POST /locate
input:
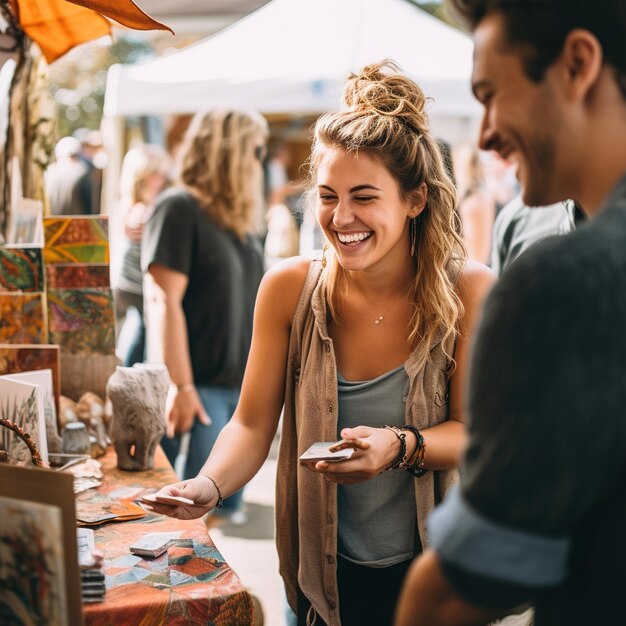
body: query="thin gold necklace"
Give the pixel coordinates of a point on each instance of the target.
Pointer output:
(381, 317)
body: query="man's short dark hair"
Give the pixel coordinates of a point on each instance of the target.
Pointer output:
(539, 28)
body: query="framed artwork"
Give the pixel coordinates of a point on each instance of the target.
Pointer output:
(27, 357)
(39, 574)
(22, 404)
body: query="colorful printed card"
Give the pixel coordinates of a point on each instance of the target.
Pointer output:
(76, 239)
(82, 320)
(22, 318)
(21, 268)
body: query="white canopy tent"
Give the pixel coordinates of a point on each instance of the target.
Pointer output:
(292, 56)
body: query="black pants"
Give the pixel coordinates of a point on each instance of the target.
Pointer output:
(367, 595)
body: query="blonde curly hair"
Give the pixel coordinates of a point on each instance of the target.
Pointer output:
(384, 117)
(216, 162)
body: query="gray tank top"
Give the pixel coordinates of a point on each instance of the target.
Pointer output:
(377, 518)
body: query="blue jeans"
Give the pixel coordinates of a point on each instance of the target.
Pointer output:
(220, 404)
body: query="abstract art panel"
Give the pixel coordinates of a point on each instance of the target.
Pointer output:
(77, 276)
(21, 269)
(76, 239)
(82, 320)
(22, 318)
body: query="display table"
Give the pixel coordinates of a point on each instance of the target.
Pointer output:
(190, 584)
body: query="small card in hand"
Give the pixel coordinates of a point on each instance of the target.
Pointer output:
(173, 500)
(151, 545)
(320, 451)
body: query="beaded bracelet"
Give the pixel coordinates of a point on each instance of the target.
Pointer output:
(417, 467)
(220, 500)
(402, 456)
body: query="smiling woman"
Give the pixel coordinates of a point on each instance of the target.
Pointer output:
(368, 346)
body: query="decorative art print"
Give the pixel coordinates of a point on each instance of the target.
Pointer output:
(77, 276)
(32, 571)
(39, 575)
(22, 318)
(76, 239)
(21, 268)
(82, 320)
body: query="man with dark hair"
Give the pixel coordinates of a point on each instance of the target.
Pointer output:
(540, 514)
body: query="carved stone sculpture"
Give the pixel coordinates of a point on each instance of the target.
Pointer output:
(138, 396)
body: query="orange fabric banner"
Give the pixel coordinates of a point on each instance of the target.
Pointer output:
(126, 12)
(56, 26)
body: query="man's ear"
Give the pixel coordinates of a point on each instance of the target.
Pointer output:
(582, 58)
(417, 200)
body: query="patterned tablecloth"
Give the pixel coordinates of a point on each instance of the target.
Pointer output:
(190, 584)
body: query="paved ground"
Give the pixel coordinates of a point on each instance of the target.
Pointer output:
(250, 548)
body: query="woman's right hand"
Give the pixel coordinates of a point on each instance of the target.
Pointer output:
(199, 489)
(183, 407)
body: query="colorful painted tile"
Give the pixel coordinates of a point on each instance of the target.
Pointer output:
(22, 318)
(21, 269)
(29, 357)
(82, 320)
(76, 239)
(77, 276)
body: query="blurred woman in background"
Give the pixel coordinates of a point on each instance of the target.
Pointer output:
(201, 249)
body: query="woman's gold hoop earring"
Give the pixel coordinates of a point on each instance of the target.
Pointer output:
(413, 234)
(324, 249)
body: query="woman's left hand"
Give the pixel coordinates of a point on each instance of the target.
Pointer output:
(382, 449)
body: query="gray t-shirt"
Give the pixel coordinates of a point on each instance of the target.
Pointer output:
(377, 520)
(518, 227)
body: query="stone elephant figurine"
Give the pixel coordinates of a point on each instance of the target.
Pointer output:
(138, 395)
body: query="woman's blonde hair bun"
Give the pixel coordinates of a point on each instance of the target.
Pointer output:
(381, 89)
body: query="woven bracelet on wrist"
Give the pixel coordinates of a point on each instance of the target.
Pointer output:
(402, 456)
(220, 500)
(417, 467)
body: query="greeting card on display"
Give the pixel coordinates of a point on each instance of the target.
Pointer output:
(22, 404)
(22, 318)
(43, 380)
